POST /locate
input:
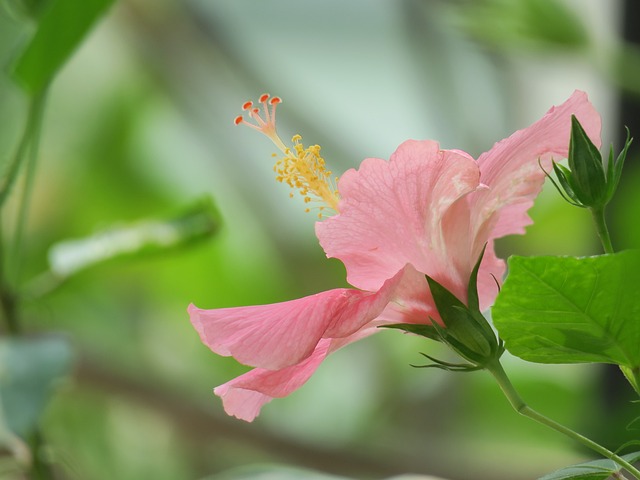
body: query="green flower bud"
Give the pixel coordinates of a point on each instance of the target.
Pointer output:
(465, 329)
(588, 182)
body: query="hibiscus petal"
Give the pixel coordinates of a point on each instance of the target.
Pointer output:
(511, 171)
(390, 212)
(490, 276)
(244, 396)
(279, 335)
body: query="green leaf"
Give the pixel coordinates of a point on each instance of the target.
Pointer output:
(197, 222)
(24, 8)
(29, 369)
(62, 27)
(572, 310)
(525, 24)
(595, 470)
(633, 376)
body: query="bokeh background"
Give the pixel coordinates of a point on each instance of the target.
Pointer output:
(139, 126)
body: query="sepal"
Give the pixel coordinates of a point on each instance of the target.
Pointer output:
(614, 169)
(588, 179)
(465, 329)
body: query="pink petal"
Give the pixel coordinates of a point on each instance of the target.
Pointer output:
(244, 396)
(283, 334)
(390, 212)
(413, 302)
(511, 171)
(492, 270)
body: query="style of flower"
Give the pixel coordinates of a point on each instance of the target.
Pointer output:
(425, 211)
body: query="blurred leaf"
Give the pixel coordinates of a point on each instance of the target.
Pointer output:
(272, 472)
(623, 68)
(29, 8)
(572, 310)
(29, 368)
(61, 29)
(11, 442)
(596, 470)
(276, 472)
(200, 221)
(415, 477)
(508, 24)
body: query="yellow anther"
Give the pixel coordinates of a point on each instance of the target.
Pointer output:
(302, 168)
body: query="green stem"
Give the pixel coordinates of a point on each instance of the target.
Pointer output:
(601, 228)
(28, 145)
(9, 310)
(25, 199)
(9, 298)
(523, 409)
(40, 468)
(34, 116)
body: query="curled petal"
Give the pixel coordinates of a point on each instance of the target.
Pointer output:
(280, 335)
(511, 171)
(244, 396)
(390, 212)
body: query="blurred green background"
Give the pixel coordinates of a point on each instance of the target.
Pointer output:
(138, 125)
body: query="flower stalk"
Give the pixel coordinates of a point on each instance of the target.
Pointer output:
(518, 404)
(26, 153)
(601, 229)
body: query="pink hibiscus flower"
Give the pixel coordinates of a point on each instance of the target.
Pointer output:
(424, 211)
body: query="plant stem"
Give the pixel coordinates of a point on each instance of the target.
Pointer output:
(34, 116)
(601, 228)
(28, 145)
(10, 264)
(495, 368)
(40, 468)
(8, 304)
(25, 199)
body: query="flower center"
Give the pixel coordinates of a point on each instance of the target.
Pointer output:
(300, 167)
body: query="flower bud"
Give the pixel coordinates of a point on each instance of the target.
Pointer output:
(465, 329)
(588, 182)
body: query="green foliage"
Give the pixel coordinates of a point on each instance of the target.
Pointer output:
(29, 369)
(29, 8)
(596, 470)
(507, 24)
(145, 237)
(61, 29)
(277, 472)
(572, 310)
(273, 472)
